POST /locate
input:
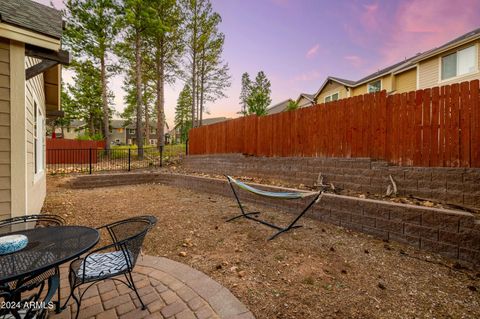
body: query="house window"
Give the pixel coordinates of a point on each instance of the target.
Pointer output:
(375, 86)
(459, 63)
(120, 130)
(132, 131)
(332, 97)
(38, 138)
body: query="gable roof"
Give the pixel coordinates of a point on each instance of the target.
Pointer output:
(469, 36)
(32, 16)
(309, 97)
(279, 107)
(407, 63)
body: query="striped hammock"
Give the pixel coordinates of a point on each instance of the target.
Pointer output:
(278, 195)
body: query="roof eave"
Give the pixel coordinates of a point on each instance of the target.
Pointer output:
(444, 49)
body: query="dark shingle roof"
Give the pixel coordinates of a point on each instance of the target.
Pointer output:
(344, 81)
(279, 107)
(32, 16)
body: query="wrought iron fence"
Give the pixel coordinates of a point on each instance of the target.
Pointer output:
(92, 160)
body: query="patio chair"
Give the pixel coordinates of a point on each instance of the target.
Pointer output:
(29, 222)
(276, 195)
(112, 260)
(34, 285)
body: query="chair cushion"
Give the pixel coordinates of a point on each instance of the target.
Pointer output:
(103, 264)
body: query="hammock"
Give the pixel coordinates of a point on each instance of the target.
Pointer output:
(277, 195)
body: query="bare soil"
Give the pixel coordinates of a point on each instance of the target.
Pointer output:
(317, 271)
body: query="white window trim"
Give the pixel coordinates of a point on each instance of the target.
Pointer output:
(381, 85)
(39, 175)
(454, 78)
(330, 96)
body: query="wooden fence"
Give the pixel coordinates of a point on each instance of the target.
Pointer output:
(432, 127)
(66, 151)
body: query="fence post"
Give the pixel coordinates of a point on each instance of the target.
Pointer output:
(90, 160)
(129, 156)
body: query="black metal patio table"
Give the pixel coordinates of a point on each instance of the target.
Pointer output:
(23, 273)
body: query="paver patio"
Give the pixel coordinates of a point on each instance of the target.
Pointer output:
(169, 290)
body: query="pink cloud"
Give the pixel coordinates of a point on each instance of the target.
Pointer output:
(369, 17)
(313, 51)
(307, 76)
(354, 60)
(417, 28)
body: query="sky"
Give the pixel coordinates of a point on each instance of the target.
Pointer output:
(298, 43)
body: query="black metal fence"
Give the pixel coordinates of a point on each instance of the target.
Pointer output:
(91, 160)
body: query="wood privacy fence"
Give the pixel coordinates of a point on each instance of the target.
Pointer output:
(66, 151)
(431, 127)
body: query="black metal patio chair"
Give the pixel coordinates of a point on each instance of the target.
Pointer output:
(31, 288)
(112, 260)
(29, 222)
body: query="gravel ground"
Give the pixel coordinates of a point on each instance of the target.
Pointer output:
(317, 271)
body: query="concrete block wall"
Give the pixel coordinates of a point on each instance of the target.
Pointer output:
(453, 185)
(454, 234)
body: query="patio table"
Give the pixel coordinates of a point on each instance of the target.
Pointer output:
(47, 248)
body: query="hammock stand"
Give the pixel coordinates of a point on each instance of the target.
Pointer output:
(280, 195)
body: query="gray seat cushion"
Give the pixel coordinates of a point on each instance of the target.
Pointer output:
(103, 264)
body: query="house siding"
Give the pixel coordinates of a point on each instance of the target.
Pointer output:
(406, 81)
(429, 70)
(36, 187)
(303, 102)
(5, 192)
(332, 88)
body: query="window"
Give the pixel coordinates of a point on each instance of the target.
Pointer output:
(38, 138)
(332, 97)
(132, 131)
(375, 86)
(459, 63)
(120, 130)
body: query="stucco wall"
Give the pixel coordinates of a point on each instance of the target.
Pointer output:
(5, 197)
(429, 70)
(332, 88)
(36, 185)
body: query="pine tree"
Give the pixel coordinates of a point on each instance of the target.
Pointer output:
(91, 33)
(183, 119)
(167, 45)
(245, 92)
(259, 98)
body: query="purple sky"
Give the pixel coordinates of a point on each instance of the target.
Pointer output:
(298, 43)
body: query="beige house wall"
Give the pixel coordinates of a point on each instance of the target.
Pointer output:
(304, 102)
(5, 194)
(406, 81)
(36, 184)
(429, 70)
(332, 88)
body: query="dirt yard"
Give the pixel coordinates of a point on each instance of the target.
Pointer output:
(318, 271)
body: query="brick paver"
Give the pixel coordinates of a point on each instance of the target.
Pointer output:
(168, 289)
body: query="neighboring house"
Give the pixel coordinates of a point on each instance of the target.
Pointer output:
(30, 71)
(123, 134)
(305, 100)
(279, 107)
(71, 131)
(454, 62)
(174, 135)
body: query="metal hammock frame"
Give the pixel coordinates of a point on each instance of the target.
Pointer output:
(277, 195)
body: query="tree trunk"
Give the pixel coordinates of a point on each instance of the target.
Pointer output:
(160, 94)
(106, 124)
(194, 64)
(202, 84)
(91, 127)
(147, 114)
(138, 84)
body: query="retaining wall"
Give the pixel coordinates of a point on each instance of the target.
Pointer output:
(453, 185)
(454, 234)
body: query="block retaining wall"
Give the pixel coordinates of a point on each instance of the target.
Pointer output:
(453, 185)
(454, 234)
